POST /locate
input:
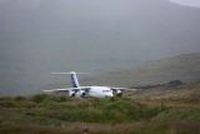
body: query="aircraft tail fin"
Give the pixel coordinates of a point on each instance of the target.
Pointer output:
(73, 75)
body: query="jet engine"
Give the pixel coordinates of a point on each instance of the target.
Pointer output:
(79, 92)
(83, 93)
(117, 92)
(72, 93)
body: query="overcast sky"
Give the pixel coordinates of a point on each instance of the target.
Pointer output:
(38, 36)
(192, 3)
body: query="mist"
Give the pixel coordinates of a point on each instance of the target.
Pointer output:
(42, 36)
(191, 3)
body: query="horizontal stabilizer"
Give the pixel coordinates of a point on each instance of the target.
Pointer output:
(66, 73)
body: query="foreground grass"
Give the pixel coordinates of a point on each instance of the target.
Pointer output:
(50, 114)
(78, 128)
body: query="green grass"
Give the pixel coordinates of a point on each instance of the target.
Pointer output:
(50, 114)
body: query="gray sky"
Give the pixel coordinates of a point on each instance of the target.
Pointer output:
(191, 3)
(40, 36)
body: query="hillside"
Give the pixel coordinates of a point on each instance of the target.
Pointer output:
(185, 67)
(185, 93)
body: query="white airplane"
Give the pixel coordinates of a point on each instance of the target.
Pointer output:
(87, 91)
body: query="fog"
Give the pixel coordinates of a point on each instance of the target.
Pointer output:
(41, 36)
(191, 3)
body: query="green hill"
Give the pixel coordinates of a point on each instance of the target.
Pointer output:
(186, 93)
(185, 67)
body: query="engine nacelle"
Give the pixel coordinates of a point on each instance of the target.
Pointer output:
(72, 94)
(117, 92)
(79, 93)
(82, 93)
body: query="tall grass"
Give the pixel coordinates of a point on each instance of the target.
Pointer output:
(51, 114)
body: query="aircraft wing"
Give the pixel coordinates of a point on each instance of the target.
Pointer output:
(56, 90)
(67, 89)
(119, 88)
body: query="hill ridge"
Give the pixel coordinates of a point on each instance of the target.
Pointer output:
(184, 67)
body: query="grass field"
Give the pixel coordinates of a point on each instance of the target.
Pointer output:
(45, 114)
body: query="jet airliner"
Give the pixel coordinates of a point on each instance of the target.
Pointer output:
(87, 91)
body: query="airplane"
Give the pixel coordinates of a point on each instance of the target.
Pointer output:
(87, 91)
